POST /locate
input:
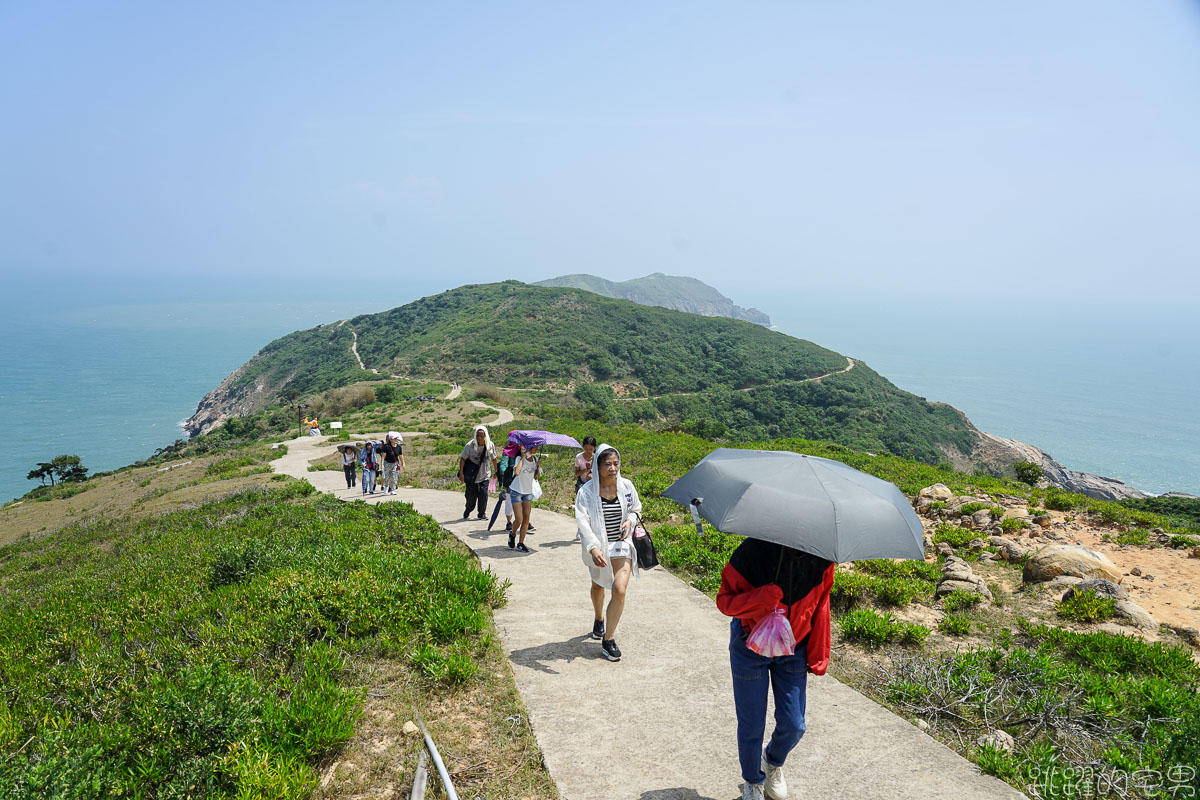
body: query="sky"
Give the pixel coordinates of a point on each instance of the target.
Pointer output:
(1027, 151)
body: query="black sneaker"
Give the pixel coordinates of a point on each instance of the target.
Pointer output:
(466, 515)
(512, 541)
(508, 527)
(598, 629)
(530, 529)
(610, 650)
(523, 548)
(481, 516)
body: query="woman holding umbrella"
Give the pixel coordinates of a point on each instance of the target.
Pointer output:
(606, 510)
(762, 579)
(801, 514)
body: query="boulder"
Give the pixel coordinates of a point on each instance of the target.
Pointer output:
(976, 544)
(944, 549)
(1044, 521)
(1190, 635)
(1194, 552)
(1099, 586)
(975, 585)
(966, 499)
(998, 739)
(956, 568)
(1135, 571)
(937, 492)
(982, 518)
(1009, 550)
(1070, 559)
(1133, 614)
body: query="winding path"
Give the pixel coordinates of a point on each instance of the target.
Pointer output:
(850, 362)
(660, 725)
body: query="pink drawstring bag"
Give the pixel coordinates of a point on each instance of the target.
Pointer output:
(772, 636)
(492, 484)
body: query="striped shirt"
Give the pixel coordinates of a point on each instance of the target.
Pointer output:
(612, 518)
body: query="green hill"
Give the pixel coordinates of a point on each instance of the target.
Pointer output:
(668, 291)
(670, 369)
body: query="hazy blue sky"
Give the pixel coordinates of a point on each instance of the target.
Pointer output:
(1037, 150)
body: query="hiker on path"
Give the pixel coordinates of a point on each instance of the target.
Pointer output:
(525, 475)
(366, 460)
(475, 465)
(607, 509)
(350, 465)
(504, 477)
(760, 578)
(583, 462)
(393, 459)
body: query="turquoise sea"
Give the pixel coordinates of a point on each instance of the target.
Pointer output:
(1113, 396)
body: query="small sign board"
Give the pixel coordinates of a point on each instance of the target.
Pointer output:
(335, 426)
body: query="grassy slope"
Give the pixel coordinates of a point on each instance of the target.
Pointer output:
(213, 631)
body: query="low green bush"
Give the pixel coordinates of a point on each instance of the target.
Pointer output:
(967, 509)
(901, 591)
(955, 624)
(1134, 536)
(960, 600)
(849, 589)
(869, 627)
(1183, 541)
(1012, 524)
(953, 535)
(1086, 606)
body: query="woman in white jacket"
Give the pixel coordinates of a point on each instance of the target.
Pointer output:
(607, 509)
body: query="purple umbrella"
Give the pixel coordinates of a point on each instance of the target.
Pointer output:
(541, 438)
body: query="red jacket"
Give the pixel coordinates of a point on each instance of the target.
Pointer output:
(761, 577)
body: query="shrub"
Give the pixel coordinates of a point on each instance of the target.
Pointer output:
(1086, 606)
(901, 591)
(1182, 541)
(1028, 472)
(1134, 536)
(873, 629)
(1012, 524)
(968, 509)
(849, 588)
(955, 624)
(959, 600)
(1064, 501)
(952, 535)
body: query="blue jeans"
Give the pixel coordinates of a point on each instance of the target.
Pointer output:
(788, 676)
(368, 480)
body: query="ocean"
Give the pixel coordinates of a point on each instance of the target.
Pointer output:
(111, 382)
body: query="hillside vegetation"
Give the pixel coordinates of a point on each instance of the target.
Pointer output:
(711, 375)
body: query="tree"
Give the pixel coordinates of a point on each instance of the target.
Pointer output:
(69, 469)
(42, 472)
(1028, 472)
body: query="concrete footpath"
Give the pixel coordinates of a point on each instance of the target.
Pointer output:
(660, 725)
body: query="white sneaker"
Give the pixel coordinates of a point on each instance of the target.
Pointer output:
(776, 784)
(752, 791)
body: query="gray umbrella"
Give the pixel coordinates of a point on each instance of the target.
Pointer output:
(812, 504)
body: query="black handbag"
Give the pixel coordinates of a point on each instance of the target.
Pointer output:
(470, 470)
(647, 558)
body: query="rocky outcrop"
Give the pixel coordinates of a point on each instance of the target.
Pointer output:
(231, 398)
(957, 574)
(996, 452)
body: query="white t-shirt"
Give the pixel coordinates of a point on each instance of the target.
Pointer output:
(523, 482)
